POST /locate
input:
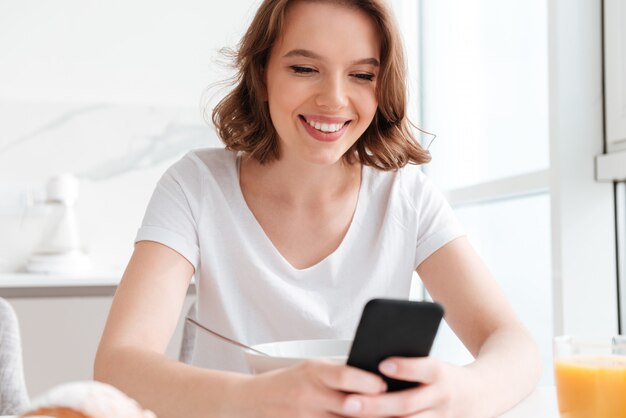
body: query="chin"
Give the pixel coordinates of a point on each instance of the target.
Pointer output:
(325, 154)
(324, 158)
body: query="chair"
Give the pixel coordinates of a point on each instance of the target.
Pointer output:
(189, 337)
(13, 394)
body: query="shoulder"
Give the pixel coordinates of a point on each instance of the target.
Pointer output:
(408, 190)
(409, 181)
(412, 175)
(201, 165)
(199, 173)
(204, 160)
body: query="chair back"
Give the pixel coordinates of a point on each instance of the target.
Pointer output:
(13, 394)
(189, 337)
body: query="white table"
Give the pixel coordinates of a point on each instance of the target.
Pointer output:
(540, 404)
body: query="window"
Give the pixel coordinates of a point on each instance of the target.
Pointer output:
(511, 90)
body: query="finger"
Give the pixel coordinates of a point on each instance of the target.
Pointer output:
(343, 405)
(422, 369)
(335, 404)
(349, 379)
(402, 403)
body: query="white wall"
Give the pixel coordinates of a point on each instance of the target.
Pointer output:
(111, 91)
(151, 52)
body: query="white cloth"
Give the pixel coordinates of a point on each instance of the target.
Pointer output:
(246, 289)
(13, 394)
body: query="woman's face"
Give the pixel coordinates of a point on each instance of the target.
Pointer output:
(321, 80)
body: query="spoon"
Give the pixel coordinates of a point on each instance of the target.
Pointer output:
(220, 336)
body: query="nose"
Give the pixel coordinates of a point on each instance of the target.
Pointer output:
(333, 93)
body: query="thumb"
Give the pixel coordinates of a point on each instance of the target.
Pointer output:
(413, 369)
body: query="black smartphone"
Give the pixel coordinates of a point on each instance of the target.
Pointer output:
(391, 327)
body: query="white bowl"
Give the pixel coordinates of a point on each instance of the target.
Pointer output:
(287, 353)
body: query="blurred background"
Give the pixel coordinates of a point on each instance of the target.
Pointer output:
(527, 99)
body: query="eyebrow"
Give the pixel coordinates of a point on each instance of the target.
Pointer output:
(310, 54)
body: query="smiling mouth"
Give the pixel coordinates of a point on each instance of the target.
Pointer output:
(325, 127)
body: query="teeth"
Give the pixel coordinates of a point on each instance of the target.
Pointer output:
(326, 127)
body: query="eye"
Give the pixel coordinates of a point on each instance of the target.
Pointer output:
(302, 70)
(363, 76)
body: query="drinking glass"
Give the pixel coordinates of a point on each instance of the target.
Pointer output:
(590, 375)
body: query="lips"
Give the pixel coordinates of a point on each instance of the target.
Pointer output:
(324, 128)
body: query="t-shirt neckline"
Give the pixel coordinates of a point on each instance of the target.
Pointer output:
(258, 229)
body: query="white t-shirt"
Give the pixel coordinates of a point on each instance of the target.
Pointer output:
(248, 291)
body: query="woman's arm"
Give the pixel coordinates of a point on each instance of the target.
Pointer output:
(507, 365)
(143, 317)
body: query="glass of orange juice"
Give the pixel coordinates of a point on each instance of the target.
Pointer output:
(590, 375)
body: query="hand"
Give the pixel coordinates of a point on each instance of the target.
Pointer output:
(445, 391)
(312, 388)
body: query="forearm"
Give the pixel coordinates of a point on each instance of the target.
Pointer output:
(506, 369)
(169, 388)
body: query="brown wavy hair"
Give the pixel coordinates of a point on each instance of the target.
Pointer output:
(243, 120)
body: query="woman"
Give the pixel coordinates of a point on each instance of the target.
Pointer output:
(315, 206)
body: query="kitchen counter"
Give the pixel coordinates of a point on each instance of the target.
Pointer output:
(14, 285)
(28, 285)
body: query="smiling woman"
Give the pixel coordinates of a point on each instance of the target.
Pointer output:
(316, 206)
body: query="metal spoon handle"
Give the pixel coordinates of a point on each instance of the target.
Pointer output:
(228, 340)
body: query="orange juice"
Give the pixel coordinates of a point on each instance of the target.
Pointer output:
(591, 386)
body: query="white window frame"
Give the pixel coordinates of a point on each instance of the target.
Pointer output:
(620, 210)
(611, 167)
(614, 57)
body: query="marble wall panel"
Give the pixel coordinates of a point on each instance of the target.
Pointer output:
(118, 152)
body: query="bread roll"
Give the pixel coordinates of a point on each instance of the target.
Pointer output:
(86, 400)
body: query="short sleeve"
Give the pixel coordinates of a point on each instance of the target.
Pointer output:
(171, 215)
(438, 224)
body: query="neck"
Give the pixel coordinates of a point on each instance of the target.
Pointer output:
(299, 182)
